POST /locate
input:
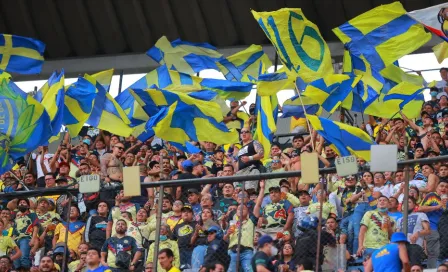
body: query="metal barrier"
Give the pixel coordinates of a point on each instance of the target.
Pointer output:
(233, 223)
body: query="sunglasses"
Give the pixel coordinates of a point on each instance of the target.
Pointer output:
(275, 161)
(120, 148)
(244, 131)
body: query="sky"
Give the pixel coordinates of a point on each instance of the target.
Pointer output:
(416, 62)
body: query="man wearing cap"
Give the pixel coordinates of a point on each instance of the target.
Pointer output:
(217, 247)
(64, 172)
(392, 257)
(193, 200)
(193, 170)
(300, 211)
(48, 221)
(277, 215)
(182, 233)
(262, 260)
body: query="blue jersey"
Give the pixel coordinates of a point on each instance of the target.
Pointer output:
(387, 259)
(100, 269)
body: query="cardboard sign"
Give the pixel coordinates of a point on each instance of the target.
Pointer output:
(89, 184)
(310, 167)
(131, 181)
(383, 158)
(346, 166)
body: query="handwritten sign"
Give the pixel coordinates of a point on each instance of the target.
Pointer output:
(89, 184)
(346, 166)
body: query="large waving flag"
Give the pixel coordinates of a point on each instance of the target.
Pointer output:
(266, 111)
(26, 126)
(297, 41)
(404, 97)
(189, 119)
(21, 54)
(292, 107)
(185, 57)
(382, 35)
(245, 65)
(344, 139)
(270, 84)
(394, 75)
(79, 98)
(441, 51)
(172, 80)
(330, 91)
(106, 112)
(51, 96)
(104, 78)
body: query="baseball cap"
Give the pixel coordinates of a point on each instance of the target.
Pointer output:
(276, 188)
(303, 192)
(398, 237)
(213, 229)
(186, 209)
(265, 239)
(193, 191)
(174, 172)
(43, 199)
(61, 180)
(189, 163)
(64, 164)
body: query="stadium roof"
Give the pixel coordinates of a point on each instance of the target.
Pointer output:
(92, 35)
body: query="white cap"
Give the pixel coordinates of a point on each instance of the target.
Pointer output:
(442, 94)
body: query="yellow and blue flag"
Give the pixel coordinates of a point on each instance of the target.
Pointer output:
(266, 108)
(245, 65)
(298, 42)
(78, 100)
(394, 75)
(51, 96)
(171, 80)
(270, 84)
(185, 57)
(292, 107)
(197, 121)
(25, 126)
(330, 91)
(343, 139)
(106, 112)
(104, 78)
(133, 107)
(441, 51)
(21, 55)
(382, 35)
(404, 97)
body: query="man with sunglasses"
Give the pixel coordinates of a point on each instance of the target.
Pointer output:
(111, 165)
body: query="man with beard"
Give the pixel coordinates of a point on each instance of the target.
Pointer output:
(122, 204)
(47, 221)
(26, 228)
(64, 172)
(30, 181)
(167, 205)
(93, 261)
(116, 248)
(96, 225)
(223, 202)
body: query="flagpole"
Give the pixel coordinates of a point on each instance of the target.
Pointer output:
(306, 117)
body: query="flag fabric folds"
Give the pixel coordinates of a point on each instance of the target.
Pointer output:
(25, 126)
(382, 35)
(298, 42)
(104, 78)
(21, 54)
(270, 84)
(182, 122)
(330, 91)
(344, 139)
(78, 100)
(171, 80)
(394, 75)
(51, 96)
(292, 107)
(133, 107)
(185, 57)
(405, 97)
(245, 65)
(441, 51)
(267, 111)
(106, 112)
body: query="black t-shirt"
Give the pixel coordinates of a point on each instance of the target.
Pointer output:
(182, 233)
(97, 231)
(261, 258)
(223, 204)
(189, 176)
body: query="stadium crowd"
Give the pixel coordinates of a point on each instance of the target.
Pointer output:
(200, 224)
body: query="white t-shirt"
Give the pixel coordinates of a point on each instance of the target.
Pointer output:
(415, 224)
(47, 158)
(385, 190)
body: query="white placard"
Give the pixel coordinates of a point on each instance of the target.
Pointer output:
(346, 166)
(89, 184)
(383, 158)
